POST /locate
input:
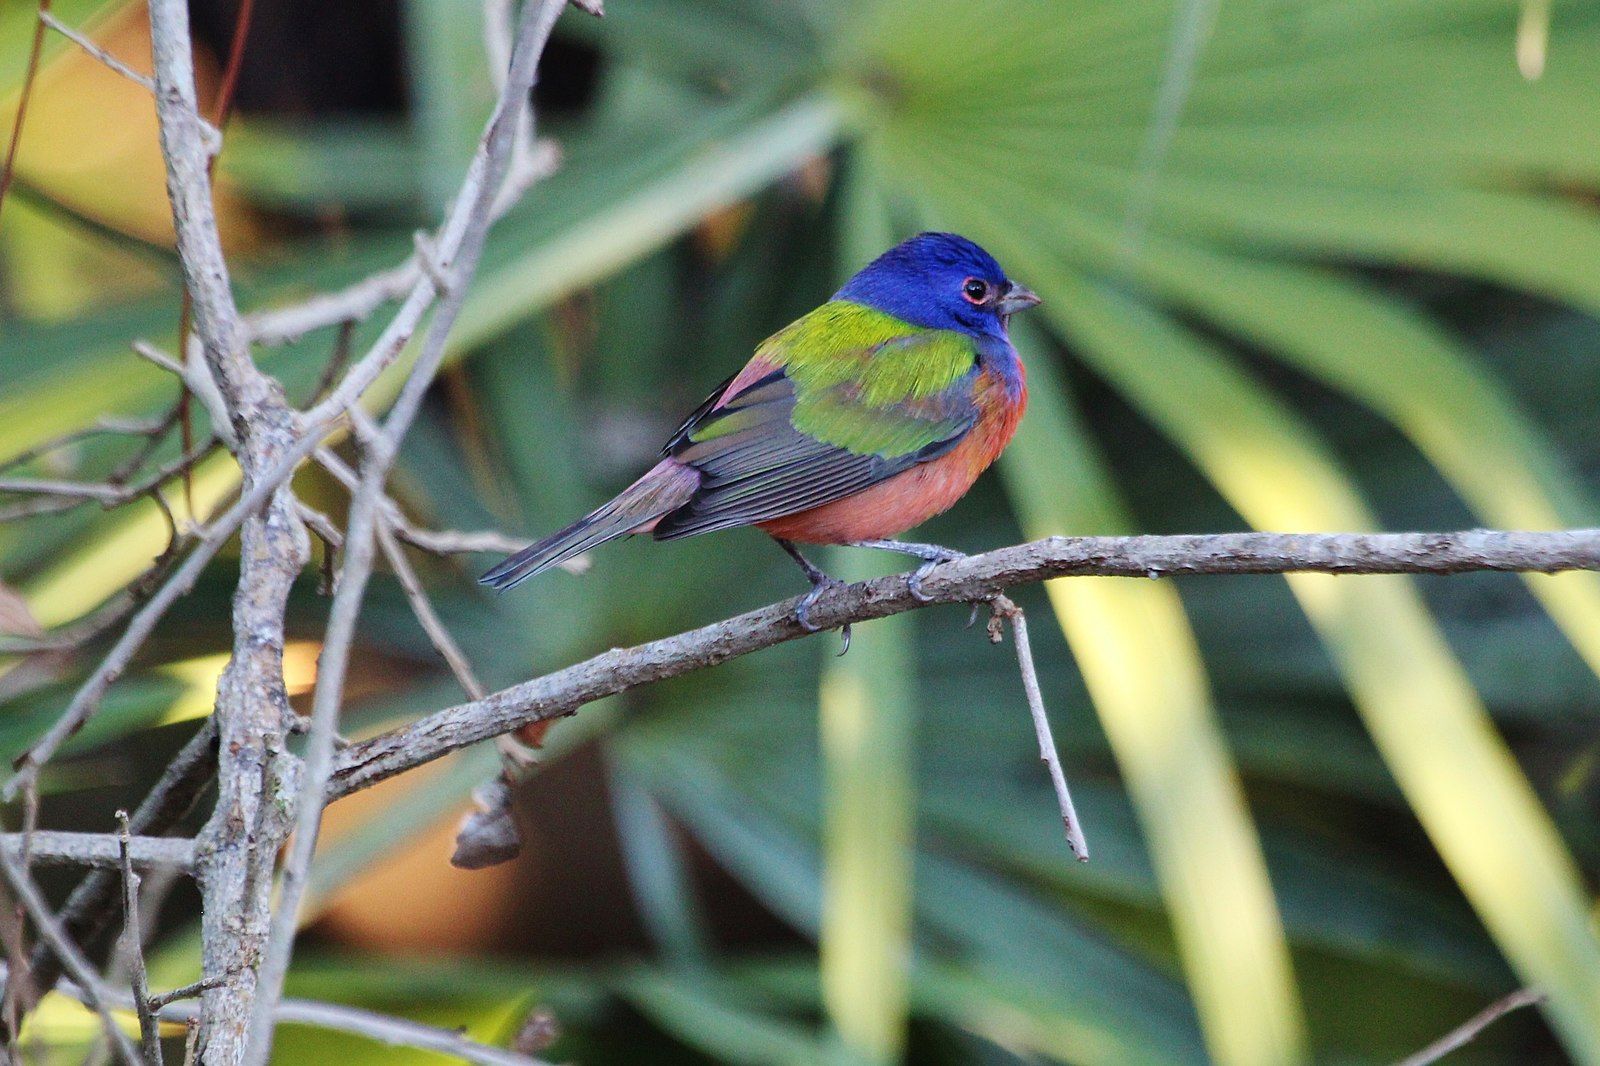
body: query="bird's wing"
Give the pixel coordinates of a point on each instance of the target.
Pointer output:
(841, 400)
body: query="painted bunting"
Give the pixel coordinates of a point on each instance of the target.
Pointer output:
(858, 421)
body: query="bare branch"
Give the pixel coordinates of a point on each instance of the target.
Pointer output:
(76, 490)
(188, 159)
(95, 995)
(445, 542)
(354, 303)
(133, 945)
(1005, 610)
(109, 493)
(99, 851)
(1468, 1030)
(422, 607)
(189, 991)
(440, 542)
(975, 579)
(236, 850)
(96, 52)
(125, 426)
(397, 1032)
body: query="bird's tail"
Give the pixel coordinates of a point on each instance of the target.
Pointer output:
(636, 509)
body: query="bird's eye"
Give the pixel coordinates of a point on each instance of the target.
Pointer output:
(975, 290)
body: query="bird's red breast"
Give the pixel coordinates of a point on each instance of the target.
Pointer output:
(913, 496)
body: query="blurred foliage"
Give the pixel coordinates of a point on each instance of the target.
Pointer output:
(1306, 264)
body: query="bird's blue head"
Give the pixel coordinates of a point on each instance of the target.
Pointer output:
(940, 281)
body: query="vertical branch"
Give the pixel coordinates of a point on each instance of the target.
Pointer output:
(493, 157)
(238, 846)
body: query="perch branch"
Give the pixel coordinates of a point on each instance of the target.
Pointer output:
(975, 579)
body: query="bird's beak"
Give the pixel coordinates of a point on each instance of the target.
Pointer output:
(1015, 298)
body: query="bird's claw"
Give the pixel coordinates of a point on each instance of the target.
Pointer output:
(929, 561)
(802, 610)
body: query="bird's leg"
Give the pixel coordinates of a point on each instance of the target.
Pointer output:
(820, 583)
(930, 554)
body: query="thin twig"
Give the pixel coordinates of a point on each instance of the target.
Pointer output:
(20, 992)
(194, 988)
(133, 945)
(359, 300)
(422, 607)
(384, 1028)
(977, 578)
(337, 360)
(96, 52)
(1005, 610)
(95, 995)
(440, 542)
(354, 303)
(126, 427)
(110, 493)
(1468, 1031)
(488, 835)
(396, 1032)
(446, 542)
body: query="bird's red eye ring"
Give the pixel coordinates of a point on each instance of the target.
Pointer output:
(975, 290)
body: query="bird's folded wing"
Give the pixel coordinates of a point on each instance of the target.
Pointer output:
(799, 437)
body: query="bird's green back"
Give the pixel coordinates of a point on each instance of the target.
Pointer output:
(871, 383)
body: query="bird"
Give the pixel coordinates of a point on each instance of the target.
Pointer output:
(858, 421)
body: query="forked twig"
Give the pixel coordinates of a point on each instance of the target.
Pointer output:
(1005, 610)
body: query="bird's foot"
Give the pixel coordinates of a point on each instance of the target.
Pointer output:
(930, 554)
(914, 582)
(930, 559)
(820, 585)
